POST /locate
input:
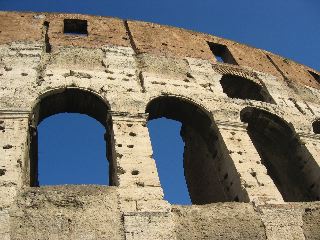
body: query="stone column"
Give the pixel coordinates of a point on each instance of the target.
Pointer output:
(254, 179)
(146, 215)
(132, 151)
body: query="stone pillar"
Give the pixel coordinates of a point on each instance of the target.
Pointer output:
(13, 154)
(146, 215)
(132, 151)
(253, 175)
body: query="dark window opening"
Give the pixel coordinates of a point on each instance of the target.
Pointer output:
(222, 53)
(73, 101)
(316, 127)
(288, 162)
(239, 87)
(75, 26)
(46, 26)
(205, 162)
(315, 76)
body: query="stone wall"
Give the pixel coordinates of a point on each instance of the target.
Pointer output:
(245, 120)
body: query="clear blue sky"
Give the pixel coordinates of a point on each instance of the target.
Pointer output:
(286, 27)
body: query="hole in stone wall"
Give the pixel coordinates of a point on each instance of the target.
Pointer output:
(75, 26)
(46, 26)
(204, 163)
(81, 105)
(282, 154)
(242, 88)
(316, 126)
(134, 172)
(132, 134)
(72, 150)
(221, 53)
(315, 76)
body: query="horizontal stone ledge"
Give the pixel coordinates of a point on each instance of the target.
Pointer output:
(8, 113)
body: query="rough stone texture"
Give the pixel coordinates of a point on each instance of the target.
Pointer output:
(311, 221)
(214, 221)
(249, 126)
(69, 212)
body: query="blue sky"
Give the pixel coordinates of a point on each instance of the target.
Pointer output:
(71, 143)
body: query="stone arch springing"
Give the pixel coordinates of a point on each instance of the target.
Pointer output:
(239, 87)
(209, 171)
(286, 159)
(66, 100)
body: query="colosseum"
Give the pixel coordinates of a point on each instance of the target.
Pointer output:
(250, 124)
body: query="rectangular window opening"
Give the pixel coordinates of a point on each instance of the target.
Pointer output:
(221, 53)
(315, 76)
(75, 27)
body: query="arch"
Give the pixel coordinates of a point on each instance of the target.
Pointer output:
(209, 171)
(243, 88)
(281, 152)
(71, 100)
(167, 106)
(66, 100)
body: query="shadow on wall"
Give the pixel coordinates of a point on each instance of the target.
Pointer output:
(242, 88)
(288, 162)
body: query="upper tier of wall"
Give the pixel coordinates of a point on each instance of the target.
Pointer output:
(148, 38)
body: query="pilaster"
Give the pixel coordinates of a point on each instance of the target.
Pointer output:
(253, 175)
(140, 193)
(13, 153)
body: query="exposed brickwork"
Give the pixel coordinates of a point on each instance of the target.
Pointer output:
(19, 27)
(294, 71)
(101, 31)
(246, 56)
(168, 41)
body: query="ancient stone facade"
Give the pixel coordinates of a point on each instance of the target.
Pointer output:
(250, 127)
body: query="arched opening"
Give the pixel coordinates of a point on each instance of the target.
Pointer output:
(71, 150)
(65, 103)
(168, 146)
(280, 150)
(316, 127)
(209, 172)
(240, 87)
